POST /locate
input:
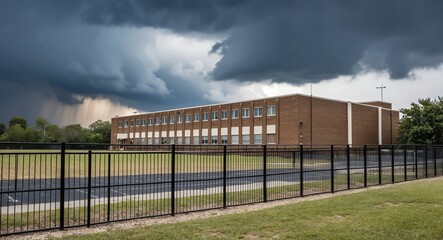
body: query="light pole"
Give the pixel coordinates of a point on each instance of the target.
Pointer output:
(381, 90)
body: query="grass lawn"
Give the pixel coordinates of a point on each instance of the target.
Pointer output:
(404, 211)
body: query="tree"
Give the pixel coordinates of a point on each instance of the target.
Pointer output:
(18, 120)
(18, 134)
(2, 128)
(41, 125)
(103, 128)
(89, 136)
(72, 133)
(422, 123)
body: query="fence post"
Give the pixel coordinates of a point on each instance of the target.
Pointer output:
(392, 164)
(224, 176)
(173, 180)
(405, 153)
(62, 186)
(380, 172)
(332, 168)
(365, 165)
(88, 218)
(435, 161)
(265, 190)
(301, 171)
(426, 162)
(416, 161)
(348, 166)
(109, 188)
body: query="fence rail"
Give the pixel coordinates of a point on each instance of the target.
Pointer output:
(58, 186)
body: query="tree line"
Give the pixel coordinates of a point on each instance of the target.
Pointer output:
(43, 131)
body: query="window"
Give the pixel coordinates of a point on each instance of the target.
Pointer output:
(245, 139)
(188, 118)
(171, 119)
(179, 118)
(271, 138)
(149, 140)
(196, 140)
(188, 140)
(150, 122)
(271, 110)
(126, 124)
(164, 120)
(234, 114)
(131, 123)
(156, 140)
(163, 140)
(214, 139)
(196, 116)
(205, 116)
(179, 140)
(120, 124)
(171, 140)
(257, 112)
(143, 140)
(156, 121)
(205, 140)
(224, 139)
(224, 115)
(214, 115)
(144, 122)
(245, 113)
(258, 139)
(234, 139)
(137, 122)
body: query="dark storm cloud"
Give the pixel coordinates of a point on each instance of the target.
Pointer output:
(93, 48)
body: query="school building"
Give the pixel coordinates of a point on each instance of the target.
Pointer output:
(289, 119)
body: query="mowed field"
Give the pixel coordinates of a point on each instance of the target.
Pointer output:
(411, 210)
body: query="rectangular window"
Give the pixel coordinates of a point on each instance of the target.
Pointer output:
(196, 117)
(205, 116)
(150, 122)
(171, 140)
(143, 140)
(163, 140)
(196, 140)
(120, 124)
(137, 122)
(131, 123)
(224, 115)
(271, 138)
(245, 112)
(188, 118)
(126, 124)
(157, 121)
(171, 119)
(179, 140)
(164, 120)
(214, 139)
(245, 139)
(144, 122)
(156, 140)
(271, 110)
(258, 139)
(224, 139)
(187, 140)
(179, 118)
(234, 113)
(234, 139)
(214, 115)
(149, 140)
(205, 140)
(257, 112)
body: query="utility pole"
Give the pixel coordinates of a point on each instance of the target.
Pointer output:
(381, 90)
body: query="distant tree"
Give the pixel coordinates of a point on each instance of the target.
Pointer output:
(2, 128)
(18, 120)
(53, 134)
(103, 128)
(422, 123)
(41, 126)
(18, 134)
(89, 136)
(72, 133)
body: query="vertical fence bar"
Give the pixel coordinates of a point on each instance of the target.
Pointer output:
(416, 161)
(88, 218)
(379, 165)
(332, 168)
(392, 164)
(405, 159)
(348, 166)
(109, 189)
(265, 189)
(365, 165)
(435, 161)
(173, 180)
(62, 186)
(224, 177)
(301, 170)
(426, 162)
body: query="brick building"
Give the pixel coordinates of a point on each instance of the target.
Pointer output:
(288, 119)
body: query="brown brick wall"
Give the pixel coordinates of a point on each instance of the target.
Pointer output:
(364, 125)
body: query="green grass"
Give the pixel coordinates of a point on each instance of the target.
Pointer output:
(406, 211)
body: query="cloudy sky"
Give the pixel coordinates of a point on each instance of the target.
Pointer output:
(78, 61)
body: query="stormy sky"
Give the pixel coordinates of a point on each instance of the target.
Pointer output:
(77, 61)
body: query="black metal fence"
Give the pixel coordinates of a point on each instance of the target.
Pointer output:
(58, 186)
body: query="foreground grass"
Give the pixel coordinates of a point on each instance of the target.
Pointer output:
(405, 211)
